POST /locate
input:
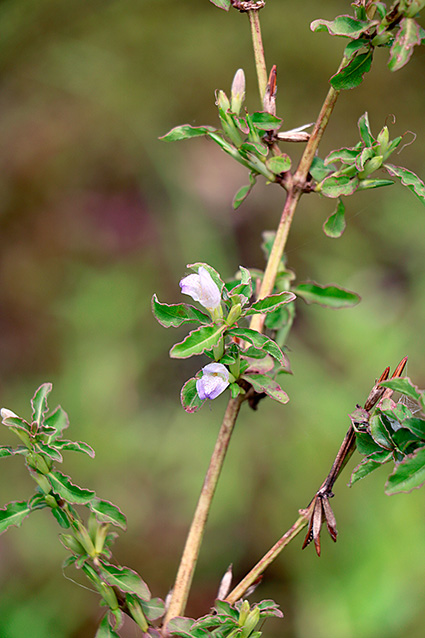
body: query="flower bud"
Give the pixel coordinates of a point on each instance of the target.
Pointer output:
(202, 288)
(383, 139)
(234, 314)
(238, 91)
(222, 101)
(371, 166)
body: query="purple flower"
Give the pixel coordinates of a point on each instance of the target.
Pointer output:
(214, 380)
(202, 288)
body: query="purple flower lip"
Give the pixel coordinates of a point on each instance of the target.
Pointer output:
(214, 380)
(202, 288)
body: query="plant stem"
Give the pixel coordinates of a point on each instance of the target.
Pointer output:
(294, 193)
(194, 538)
(260, 60)
(268, 558)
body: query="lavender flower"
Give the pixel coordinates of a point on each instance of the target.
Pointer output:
(214, 381)
(202, 288)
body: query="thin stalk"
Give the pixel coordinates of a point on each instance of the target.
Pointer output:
(260, 60)
(267, 559)
(193, 542)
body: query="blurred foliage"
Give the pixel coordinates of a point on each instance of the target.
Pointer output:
(97, 214)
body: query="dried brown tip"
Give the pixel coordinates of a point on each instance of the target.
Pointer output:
(399, 369)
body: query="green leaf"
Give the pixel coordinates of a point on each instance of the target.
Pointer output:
(189, 397)
(409, 474)
(49, 451)
(153, 609)
(319, 170)
(336, 186)
(39, 402)
(241, 285)
(409, 179)
(366, 184)
(180, 626)
(354, 46)
(266, 121)
(270, 303)
(408, 36)
(279, 164)
(380, 433)
(107, 512)
(330, 296)
(75, 446)
(363, 469)
(243, 192)
(260, 341)
(222, 4)
(58, 420)
(415, 425)
(185, 131)
(7, 450)
(70, 493)
(263, 383)
(364, 129)
(125, 579)
(13, 514)
(174, 315)
(344, 155)
(404, 386)
(351, 75)
(60, 517)
(343, 25)
(335, 224)
(197, 341)
(365, 444)
(105, 630)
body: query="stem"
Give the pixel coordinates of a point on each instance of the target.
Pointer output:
(260, 60)
(268, 558)
(194, 538)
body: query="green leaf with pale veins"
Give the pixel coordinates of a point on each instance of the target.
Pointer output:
(13, 514)
(351, 75)
(107, 512)
(364, 129)
(345, 25)
(197, 341)
(75, 446)
(409, 474)
(367, 466)
(408, 179)
(408, 36)
(70, 493)
(125, 579)
(189, 397)
(263, 383)
(279, 163)
(39, 402)
(174, 315)
(335, 224)
(58, 420)
(185, 132)
(262, 342)
(270, 303)
(330, 296)
(336, 186)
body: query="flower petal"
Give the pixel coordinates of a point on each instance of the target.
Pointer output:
(202, 288)
(214, 380)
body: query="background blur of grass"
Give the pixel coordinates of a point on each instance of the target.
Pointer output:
(97, 214)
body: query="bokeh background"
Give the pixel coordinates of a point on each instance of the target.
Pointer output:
(97, 214)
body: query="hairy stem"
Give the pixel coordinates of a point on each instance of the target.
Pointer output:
(194, 538)
(260, 60)
(268, 558)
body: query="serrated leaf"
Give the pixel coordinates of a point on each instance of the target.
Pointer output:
(270, 303)
(344, 25)
(105, 630)
(336, 186)
(364, 129)
(408, 475)
(125, 579)
(58, 420)
(174, 315)
(189, 397)
(71, 493)
(335, 224)
(408, 36)
(185, 131)
(13, 514)
(197, 341)
(330, 296)
(266, 121)
(263, 383)
(351, 75)
(261, 342)
(279, 163)
(408, 179)
(107, 512)
(39, 402)
(75, 446)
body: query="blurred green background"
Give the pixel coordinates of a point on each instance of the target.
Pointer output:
(97, 214)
